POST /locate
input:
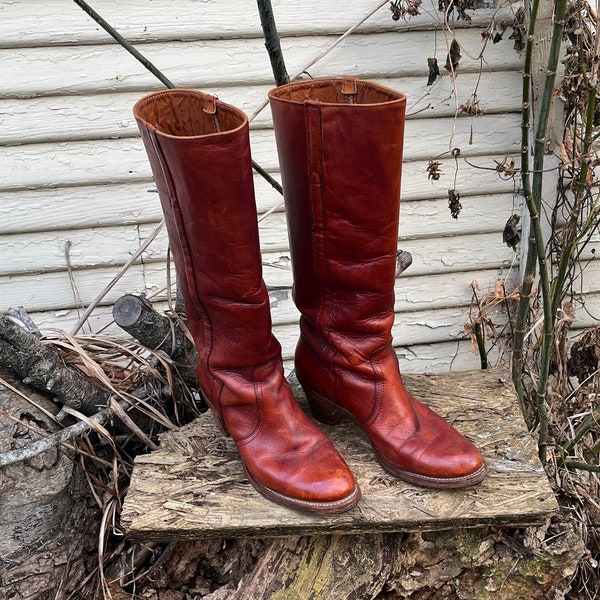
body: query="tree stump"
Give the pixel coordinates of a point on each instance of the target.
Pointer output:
(45, 514)
(464, 564)
(401, 541)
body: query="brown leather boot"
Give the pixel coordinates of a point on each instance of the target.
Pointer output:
(340, 151)
(200, 156)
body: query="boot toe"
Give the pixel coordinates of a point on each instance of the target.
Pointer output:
(318, 481)
(442, 463)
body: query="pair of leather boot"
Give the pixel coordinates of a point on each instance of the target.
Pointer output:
(340, 151)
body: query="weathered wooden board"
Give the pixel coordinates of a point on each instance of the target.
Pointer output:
(421, 292)
(430, 256)
(418, 327)
(54, 290)
(106, 160)
(83, 69)
(47, 251)
(421, 219)
(98, 194)
(194, 486)
(113, 245)
(96, 116)
(29, 22)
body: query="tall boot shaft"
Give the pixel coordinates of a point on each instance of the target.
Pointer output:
(199, 152)
(341, 153)
(200, 156)
(340, 149)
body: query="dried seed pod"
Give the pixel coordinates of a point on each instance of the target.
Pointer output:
(454, 203)
(511, 236)
(433, 170)
(433, 70)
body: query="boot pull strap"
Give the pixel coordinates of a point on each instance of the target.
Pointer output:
(211, 109)
(350, 89)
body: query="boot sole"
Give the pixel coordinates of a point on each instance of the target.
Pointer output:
(441, 483)
(319, 508)
(329, 413)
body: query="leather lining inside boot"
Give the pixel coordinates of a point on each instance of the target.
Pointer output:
(330, 91)
(188, 113)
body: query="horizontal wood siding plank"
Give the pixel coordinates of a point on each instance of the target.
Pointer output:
(421, 327)
(31, 22)
(446, 325)
(78, 207)
(443, 357)
(53, 291)
(43, 252)
(97, 116)
(420, 219)
(422, 292)
(129, 202)
(84, 69)
(430, 256)
(104, 161)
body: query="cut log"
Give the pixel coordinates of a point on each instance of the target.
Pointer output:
(40, 366)
(156, 331)
(194, 485)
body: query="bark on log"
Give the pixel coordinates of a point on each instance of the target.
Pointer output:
(460, 564)
(41, 367)
(47, 533)
(136, 316)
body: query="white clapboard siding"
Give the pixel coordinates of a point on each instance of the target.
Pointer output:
(101, 116)
(47, 251)
(85, 69)
(445, 357)
(101, 161)
(421, 221)
(420, 327)
(32, 22)
(418, 219)
(421, 292)
(77, 204)
(435, 358)
(430, 255)
(73, 171)
(54, 291)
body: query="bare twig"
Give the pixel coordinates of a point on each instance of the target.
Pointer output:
(117, 277)
(123, 42)
(154, 70)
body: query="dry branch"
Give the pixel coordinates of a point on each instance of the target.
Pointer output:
(23, 453)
